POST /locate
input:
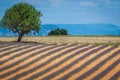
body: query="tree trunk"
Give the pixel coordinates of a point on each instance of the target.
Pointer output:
(20, 36)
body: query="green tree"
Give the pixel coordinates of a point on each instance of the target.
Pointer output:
(22, 18)
(58, 31)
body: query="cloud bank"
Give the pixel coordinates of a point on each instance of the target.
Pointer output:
(88, 4)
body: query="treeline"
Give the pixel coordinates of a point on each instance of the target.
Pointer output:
(58, 31)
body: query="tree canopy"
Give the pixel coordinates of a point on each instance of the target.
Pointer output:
(22, 18)
(58, 31)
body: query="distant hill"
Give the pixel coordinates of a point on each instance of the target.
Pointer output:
(74, 29)
(6, 32)
(91, 29)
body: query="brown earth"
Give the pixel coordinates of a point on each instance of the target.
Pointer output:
(36, 61)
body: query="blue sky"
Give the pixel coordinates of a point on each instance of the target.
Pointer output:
(72, 11)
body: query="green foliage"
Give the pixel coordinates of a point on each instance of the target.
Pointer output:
(58, 32)
(22, 18)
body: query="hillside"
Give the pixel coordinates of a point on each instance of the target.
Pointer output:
(92, 29)
(74, 29)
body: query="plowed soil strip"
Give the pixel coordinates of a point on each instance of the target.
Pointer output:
(116, 76)
(20, 52)
(70, 60)
(17, 58)
(8, 54)
(95, 64)
(6, 48)
(107, 71)
(54, 60)
(6, 44)
(79, 56)
(3, 45)
(70, 55)
(44, 52)
(28, 55)
(90, 58)
(101, 67)
(112, 72)
(33, 61)
(15, 49)
(59, 68)
(40, 61)
(89, 55)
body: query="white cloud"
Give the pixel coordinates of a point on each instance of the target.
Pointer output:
(56, 3)
(35, 1)
(88, 4)
(31, 1)
(110, 3)
(107, 1)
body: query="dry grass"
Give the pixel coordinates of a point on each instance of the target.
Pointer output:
(66, 39)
